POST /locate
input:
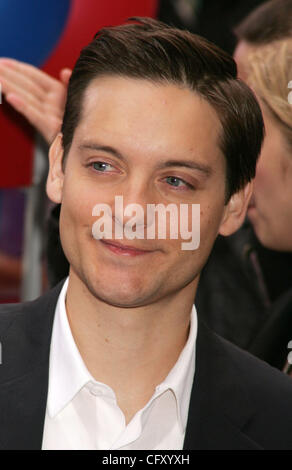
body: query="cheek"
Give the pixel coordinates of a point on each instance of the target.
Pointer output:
(202, 232)
(76, 218)
(266, 185)
(209, 232)
(79, 198)
(268, 171)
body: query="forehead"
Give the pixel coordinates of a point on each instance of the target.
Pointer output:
(140, 116)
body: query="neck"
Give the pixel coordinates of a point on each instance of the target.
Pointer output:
(131, 350)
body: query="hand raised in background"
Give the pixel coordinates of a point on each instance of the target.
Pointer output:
(39, 97)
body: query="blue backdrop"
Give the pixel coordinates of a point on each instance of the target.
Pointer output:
(22, 21)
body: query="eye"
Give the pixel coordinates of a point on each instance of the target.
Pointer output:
(102, 166)
(178, 182)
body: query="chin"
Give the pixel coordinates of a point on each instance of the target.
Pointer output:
(276, 245)
(267, 240)
(122, 300)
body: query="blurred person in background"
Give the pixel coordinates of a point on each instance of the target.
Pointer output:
(243, 282)
(270, 209)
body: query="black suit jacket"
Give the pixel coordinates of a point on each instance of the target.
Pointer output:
(271, 342)
(237, 401)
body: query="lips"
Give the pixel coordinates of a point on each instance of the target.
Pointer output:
(121, 249)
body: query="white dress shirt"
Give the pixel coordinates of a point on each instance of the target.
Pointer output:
(83, 414)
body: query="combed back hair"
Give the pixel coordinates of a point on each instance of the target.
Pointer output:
(150, 50)
(270, 71)
(269, 22)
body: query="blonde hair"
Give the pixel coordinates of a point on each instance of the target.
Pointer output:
(270, 71)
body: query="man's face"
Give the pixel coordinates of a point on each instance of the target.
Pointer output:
(151, 144)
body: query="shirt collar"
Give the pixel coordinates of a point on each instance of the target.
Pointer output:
(68, 373)
(180, 378)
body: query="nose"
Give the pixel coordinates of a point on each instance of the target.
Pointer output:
(131, 205)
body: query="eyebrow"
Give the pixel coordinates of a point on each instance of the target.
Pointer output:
(103, 148)
(205, 169)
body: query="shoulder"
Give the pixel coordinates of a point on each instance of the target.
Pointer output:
(261, 379)
(27, 317)
(10, 311)
(267, 391)
(256, 372)
(25, 332)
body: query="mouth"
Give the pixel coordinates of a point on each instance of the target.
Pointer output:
(124, 250)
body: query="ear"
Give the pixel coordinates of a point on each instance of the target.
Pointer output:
(55, 178)
(235, 210)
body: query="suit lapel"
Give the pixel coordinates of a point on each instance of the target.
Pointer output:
(219, 405)
(24, 372)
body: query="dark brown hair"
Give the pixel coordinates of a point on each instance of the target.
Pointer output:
(153, 51)
(267, 23)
